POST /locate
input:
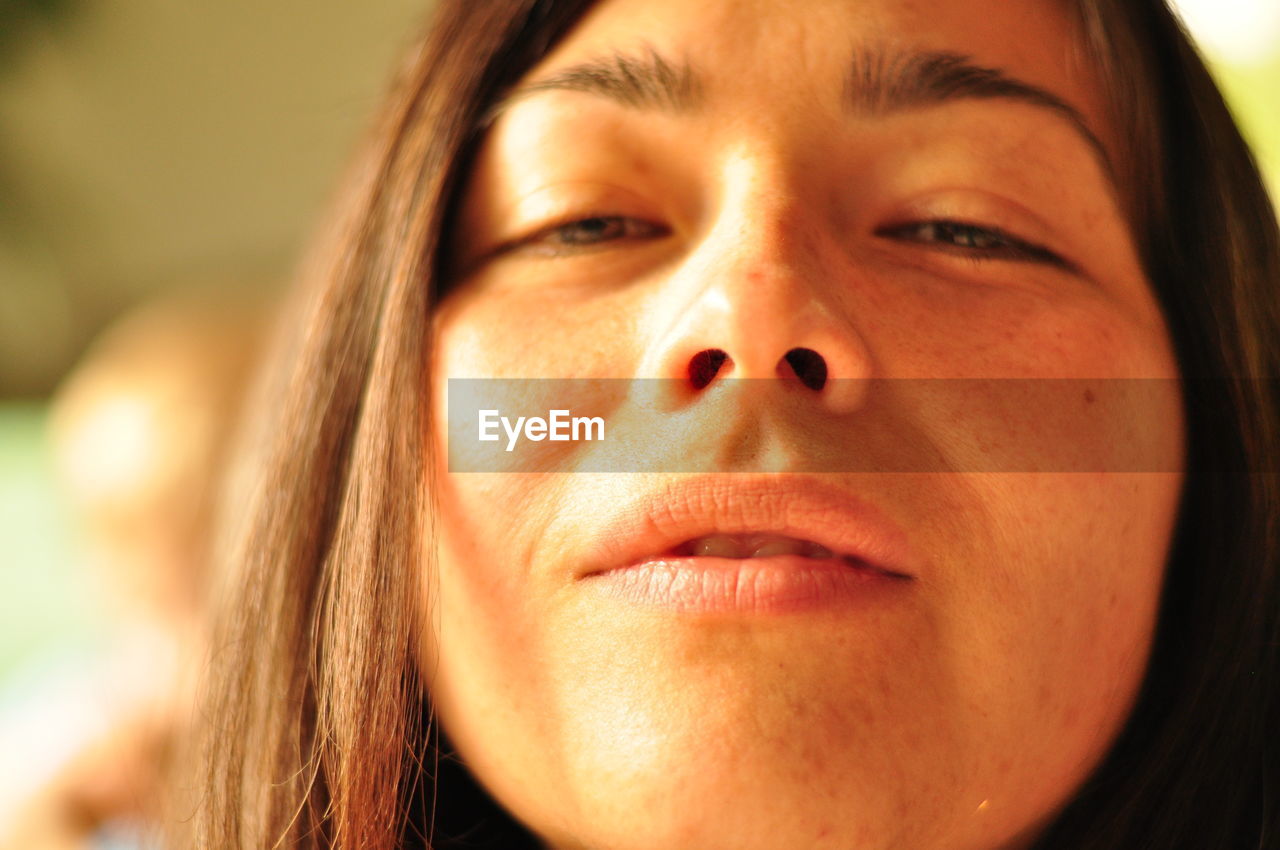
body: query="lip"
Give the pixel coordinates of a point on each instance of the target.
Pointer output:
(632, 559)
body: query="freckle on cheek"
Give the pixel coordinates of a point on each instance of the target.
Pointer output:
(1088, 397)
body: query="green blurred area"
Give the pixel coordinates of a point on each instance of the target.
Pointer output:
(1253, 91)
(49, 601)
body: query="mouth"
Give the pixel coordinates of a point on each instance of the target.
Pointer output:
(769, 544)
(741, 547)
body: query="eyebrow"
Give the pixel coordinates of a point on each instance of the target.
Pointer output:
(644, 81)
(878, 82)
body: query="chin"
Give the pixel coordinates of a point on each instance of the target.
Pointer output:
(707, 787)
(739, 814)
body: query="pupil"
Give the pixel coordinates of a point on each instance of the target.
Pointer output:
(590, 229)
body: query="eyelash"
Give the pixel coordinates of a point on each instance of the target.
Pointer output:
(550, 240)
(973, 241)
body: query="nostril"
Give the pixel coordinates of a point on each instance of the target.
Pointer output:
(809, 367)
(705, 365)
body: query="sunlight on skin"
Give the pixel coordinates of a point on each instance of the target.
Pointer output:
(958, 709)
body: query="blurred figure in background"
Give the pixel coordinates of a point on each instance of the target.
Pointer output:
(140, 431)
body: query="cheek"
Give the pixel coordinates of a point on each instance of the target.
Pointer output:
(1049, 327)
(1046, 610)
(532, 334)
(1051, 586)
(486, 646)
(1010, 381)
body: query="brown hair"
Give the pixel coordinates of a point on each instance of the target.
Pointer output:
(318, 722)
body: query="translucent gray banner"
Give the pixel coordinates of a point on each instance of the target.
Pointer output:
(876, 425)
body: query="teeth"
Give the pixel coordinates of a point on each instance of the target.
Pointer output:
(780, 547)
(753, 546)
(718, 546)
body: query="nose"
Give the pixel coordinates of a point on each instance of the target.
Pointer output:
(761, 298)
(807, 366)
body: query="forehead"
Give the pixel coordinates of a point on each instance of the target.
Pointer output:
(799, 52)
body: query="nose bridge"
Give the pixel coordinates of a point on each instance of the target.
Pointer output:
(774, 230)
(766, 219)
(758, 295)
(756, 285)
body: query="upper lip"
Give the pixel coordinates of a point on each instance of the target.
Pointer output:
(651, 524)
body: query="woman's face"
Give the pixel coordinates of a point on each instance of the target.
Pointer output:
(870, 618)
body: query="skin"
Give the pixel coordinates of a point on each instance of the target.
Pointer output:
(963, 709)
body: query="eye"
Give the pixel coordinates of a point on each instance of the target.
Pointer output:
(587, 232)
(972, 240)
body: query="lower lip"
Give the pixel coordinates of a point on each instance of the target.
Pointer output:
(780, 584)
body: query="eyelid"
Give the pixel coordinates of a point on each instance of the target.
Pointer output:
(1034, 225)
(1014, 248)
(553, 205)
(1032, 221)
(535, 240)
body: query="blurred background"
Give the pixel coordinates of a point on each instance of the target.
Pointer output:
(150, 147)
(161, 165)
(173, 156)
